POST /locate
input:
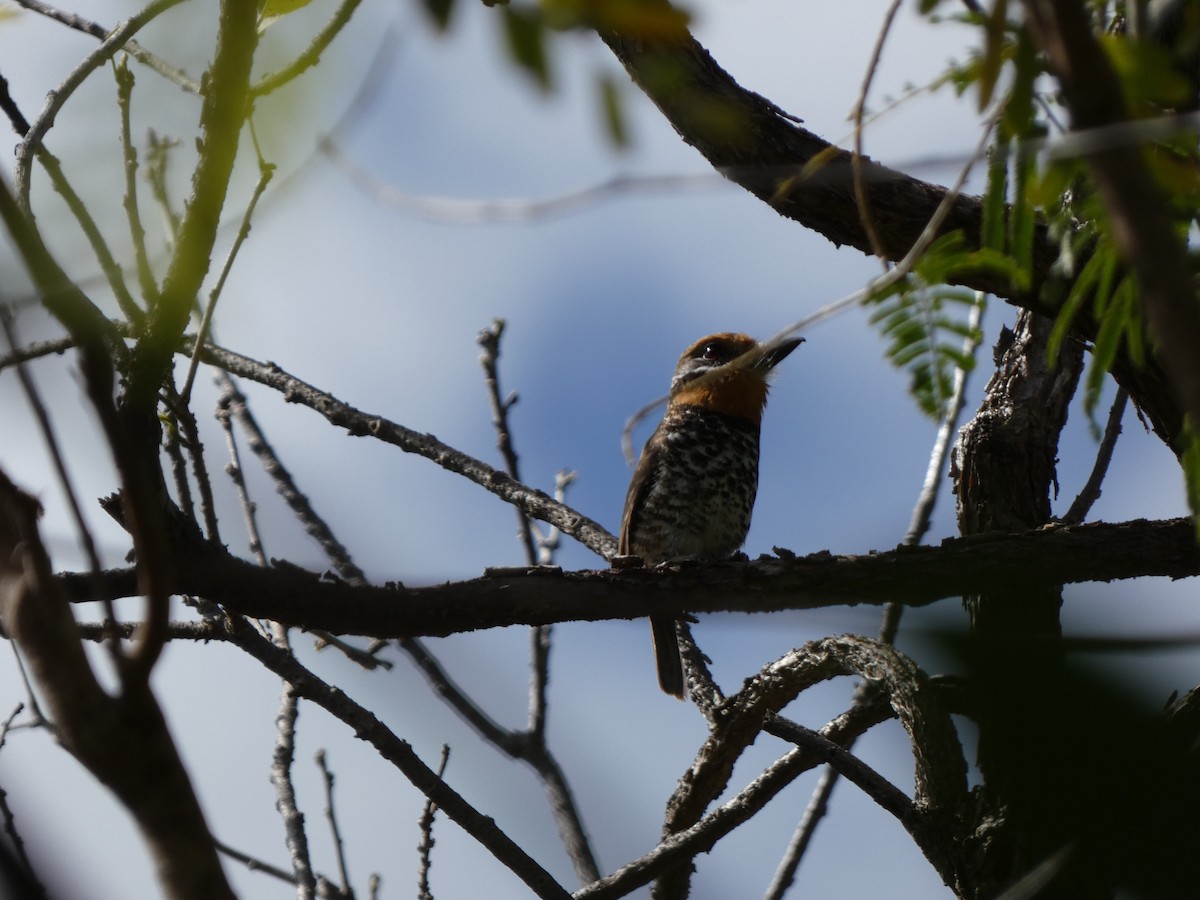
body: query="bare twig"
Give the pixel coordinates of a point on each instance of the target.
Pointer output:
(186, 421)
(522, 745)
(254, 864)
(489, 340)
(233, 403)
(115, 40)
(330, 814)
(484, 212)
(425, 844)
(861, 195)
(9, 107)
(133, 212)
(83, 532)
(285, 791)
(133, 48)
(400, 754)
(1091, 490)
(30, 882)
(536, 503)
(237, 474)
(265, 172)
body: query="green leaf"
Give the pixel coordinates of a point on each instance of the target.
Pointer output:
(924, 331)
(526, 34)
(1147, 72)
(614, 112)
(1023, 217)
(1190, 461)
(995, 195)
(994, 51)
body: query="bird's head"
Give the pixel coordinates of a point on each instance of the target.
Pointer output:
(727, 373)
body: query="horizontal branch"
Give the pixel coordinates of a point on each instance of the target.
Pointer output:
(914, 576)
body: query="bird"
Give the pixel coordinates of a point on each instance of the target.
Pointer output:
(693, 489)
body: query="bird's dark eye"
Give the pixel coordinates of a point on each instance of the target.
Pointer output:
(714, 350)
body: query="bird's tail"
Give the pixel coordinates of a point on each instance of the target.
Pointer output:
(666, 653)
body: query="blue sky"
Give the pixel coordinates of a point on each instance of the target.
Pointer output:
(381, 308)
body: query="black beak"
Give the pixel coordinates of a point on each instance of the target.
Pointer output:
(776, 354)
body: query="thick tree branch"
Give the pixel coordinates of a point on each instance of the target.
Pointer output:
(915, 576)
(123, 740)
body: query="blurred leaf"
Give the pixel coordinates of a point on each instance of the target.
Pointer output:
(526, 35)
(1019, 119)
(276, 8)
(639, 19)
(1081, 287)
(1147, 72)
(1023, 216)
(994, 51)
(995, 195)
(614, 112)
(270, 11)
(1121, 317)
(439, 12)
(1190, 461)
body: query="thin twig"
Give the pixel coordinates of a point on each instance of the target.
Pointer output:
(233, 403)
(285, 790)
(9, 107)
(330, 814)
(425, 844)
(87, 224)
(538, 504)
(861, 198)
(133, 213)
(237, 475)
(254, 864)
(520, 745)
(489, 340)
(400, 754)
(32, 884)
(311, 54)
(53, 447)
(1091, 491)
(702, 836)
(115, 40)
(186, 420)
(484, 212)
(266, 171)
(133, 48)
